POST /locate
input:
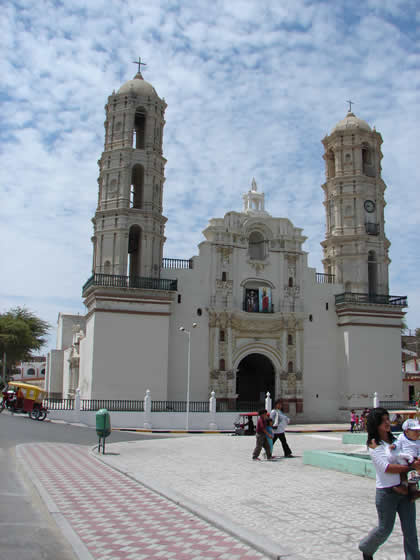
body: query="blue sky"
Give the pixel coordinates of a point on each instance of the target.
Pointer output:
(252, 87)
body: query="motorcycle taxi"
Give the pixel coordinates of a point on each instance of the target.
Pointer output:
(22, 398)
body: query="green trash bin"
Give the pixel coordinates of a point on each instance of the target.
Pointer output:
(103, 427)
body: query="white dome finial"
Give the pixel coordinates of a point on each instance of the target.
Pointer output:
(254, 185)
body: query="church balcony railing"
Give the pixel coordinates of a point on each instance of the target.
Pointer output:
(324, 278)
(177, 263)
(119, 281)
(377, 299)
(372, 229)
(245, 307)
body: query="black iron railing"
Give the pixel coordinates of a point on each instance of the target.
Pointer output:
(230, 405)
(177, 263)
(59, 404)
(399, 405)
(180, 406)
(112, 405)
(119, 281)
(324, 278)
(350, 297)
(246, 307)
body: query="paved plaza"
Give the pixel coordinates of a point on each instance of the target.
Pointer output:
(231, 507)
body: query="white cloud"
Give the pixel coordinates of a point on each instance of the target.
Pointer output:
(251, 86)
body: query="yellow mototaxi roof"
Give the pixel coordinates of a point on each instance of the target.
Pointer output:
(33, 392)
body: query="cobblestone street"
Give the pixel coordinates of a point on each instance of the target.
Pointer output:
(289, 509)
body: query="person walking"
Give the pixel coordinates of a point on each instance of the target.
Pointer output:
(388, 502)
(262, 435)
(352, 420)
(280, 422)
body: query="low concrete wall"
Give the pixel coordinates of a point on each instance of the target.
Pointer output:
(158, 420)
(343, 462)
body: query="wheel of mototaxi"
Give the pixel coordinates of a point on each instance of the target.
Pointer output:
(42, 414)
(34, 413)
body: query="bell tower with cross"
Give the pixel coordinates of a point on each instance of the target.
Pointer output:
(355, 245)
(128, 303)
(128, 224)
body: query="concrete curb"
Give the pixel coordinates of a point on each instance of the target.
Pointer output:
(265, 546)
(76, 543)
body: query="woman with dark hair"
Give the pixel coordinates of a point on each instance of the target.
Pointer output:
(388, 502)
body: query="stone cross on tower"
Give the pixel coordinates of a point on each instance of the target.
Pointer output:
(140, 64)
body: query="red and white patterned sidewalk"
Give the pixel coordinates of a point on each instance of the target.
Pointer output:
(117, 518)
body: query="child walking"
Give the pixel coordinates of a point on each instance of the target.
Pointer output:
(270, 434)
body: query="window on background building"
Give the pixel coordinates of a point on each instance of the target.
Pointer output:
(290, 367)
(289, 339)
(222, 336)
(30, 371)
(43, 371)
(222, 365)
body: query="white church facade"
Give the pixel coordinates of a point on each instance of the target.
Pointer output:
(323, 343)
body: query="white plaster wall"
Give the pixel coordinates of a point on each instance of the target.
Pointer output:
(86, 360)
(160, 421)
(321, 384)
(373, 363)
(130, 355)
(193, 286)
(65, 325)
(54, 374)
(66, 372)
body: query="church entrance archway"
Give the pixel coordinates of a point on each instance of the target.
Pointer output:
(255, 376)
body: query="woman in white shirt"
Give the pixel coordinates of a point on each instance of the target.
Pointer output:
(388, 502)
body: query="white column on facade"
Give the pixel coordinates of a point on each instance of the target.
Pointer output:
(216, 346)
(284, 349)
(298, 351)
(229, 347)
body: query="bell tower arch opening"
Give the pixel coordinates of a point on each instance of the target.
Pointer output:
(137, 186)
(134, 251)
(255, 376)
(139, 129)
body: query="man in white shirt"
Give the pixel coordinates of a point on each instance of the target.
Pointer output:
(280, 422)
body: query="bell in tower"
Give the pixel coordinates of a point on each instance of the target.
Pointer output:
(355, 245)
(128, 224)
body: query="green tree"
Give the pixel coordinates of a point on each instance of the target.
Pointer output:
(21, 333)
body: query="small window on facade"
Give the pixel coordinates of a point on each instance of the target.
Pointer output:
(289, 339)
(43, 371)
(290, 282)
(310, 318)
(199, 312)
(290, 367)
(224, 276)
(30, 371)
(179, 298)
(326, 306)
(222, 336)
(222, 366)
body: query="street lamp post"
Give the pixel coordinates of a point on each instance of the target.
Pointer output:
(182, 329)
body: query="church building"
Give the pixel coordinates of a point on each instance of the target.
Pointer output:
(247, 311)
